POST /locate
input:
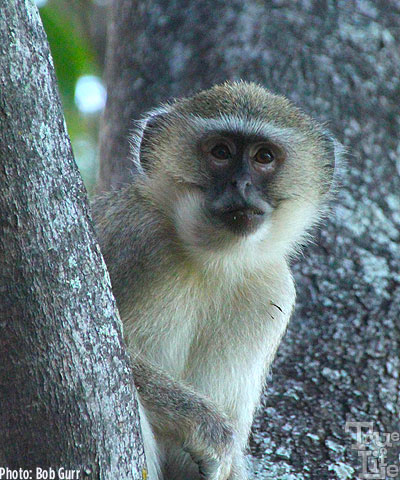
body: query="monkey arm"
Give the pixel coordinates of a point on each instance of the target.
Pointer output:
(182, 415)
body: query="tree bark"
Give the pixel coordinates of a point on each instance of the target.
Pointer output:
(340, 61)
(67, 398)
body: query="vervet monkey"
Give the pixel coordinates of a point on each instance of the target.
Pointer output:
(229, 182)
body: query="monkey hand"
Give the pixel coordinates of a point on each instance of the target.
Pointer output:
(177, 412)
(211, 443)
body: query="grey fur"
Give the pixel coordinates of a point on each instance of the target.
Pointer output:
(204, 310)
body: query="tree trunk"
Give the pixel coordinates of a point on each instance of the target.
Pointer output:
(340, 61)
(67, 398)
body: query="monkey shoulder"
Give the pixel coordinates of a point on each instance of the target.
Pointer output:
(131, 239)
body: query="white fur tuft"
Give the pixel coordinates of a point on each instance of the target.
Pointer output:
(136, 136)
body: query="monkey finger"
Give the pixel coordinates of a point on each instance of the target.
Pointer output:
(213, 470)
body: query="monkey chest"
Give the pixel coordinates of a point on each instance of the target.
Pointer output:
(194, 332)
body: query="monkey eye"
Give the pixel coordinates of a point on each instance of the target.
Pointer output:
(264, 155)
(221, 151)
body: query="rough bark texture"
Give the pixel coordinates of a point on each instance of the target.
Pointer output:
(66, 391)
(340, 61)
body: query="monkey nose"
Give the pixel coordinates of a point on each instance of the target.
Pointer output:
(236, 181)
(242, 185)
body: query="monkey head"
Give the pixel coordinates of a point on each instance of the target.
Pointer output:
(236, 164)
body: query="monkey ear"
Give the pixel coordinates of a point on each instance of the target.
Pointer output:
(336, 153)
(146, 128)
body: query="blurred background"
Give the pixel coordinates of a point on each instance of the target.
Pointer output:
(76, 30)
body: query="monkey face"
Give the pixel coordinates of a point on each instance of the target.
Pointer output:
(240, 169)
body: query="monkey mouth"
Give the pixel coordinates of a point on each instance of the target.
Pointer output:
(242, 220)
(243, 211)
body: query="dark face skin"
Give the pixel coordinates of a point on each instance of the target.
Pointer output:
(241, 168)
